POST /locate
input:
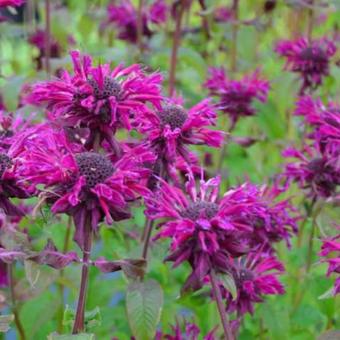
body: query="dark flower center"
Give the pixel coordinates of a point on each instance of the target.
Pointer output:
(323, 175)
(95, 167)
(111, 88)
(314, 54)
(242, 276)
(195, 210)
(173, 115)
(5, 163)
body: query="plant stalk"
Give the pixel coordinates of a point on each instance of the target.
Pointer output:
(61, 275)
(233, 61)
(47, 36)
(228, 335)
(310, 22)
(140, 26)
(175, 47)
(78, 326)
(15, 310)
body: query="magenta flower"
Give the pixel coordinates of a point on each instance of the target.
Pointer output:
(124, 16)
(97, 98)
(9, 186)
(158, 11)
(12, 3)
(332, 246)
(204, 230)
(273, 220)
(223, 14)
(309, 59)
(255, 276)
(38, 39)
(312, 171)
(169, 130)
(85, 185)
(326, 123)
(236, 97)
(191, 331)
(3, 274)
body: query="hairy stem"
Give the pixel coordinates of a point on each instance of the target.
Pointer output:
(61, 287)
(140, 26)
(15, 310)
(228, 335)
(233, 60)
(80, 314)
(47, 36)
(175, 47)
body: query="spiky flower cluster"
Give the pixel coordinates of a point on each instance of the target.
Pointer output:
(310, 59)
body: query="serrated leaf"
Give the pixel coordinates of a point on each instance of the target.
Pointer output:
(32, 272)
(229, 284)
(5, 320)
(82, 336)
(144, 301)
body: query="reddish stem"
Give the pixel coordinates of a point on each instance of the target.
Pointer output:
(233, 61)
(47, 36)
(205, 23)
(310, 22)
(228, 335)
(80, 314)
(175, 47)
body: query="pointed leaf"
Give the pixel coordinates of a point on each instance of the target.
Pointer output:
(32, 272)
(144, 301)
(82, 336)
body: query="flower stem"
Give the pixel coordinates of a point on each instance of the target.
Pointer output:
(228, 335)
(175, 46)
(310, 21)
(233, 61)
(61, 275)
(148, 232)
(15, 311)
(224, 148)
(47, 36)
(80, 314)
(140, 26)
(205, 22)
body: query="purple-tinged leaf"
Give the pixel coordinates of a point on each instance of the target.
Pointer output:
(132, 268)
(9, 256)
(53, 258)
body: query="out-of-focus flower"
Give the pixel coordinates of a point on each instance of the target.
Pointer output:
(124, 16)
(85, 185)
(255, 276)
(172, 128)
(38, 39)
(236, 97)
(312, 171)
(98, 98)
(326, 125)
(332, 246)
(11, 3)
(189, 331)
(223, 14)
(309, 59)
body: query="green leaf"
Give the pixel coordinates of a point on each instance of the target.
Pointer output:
(82, 336)
(92, 318)
(229, 284)
(144, 301)
(5, 320)
(327, 294)
(32, 272)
